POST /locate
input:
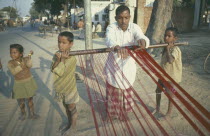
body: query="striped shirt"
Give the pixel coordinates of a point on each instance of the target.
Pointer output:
(64, 79)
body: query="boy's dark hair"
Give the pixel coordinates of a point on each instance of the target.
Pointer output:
(173, 29)
(67, 34)
(18, 47)
(121, 9)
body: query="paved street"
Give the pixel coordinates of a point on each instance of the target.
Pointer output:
(52, 113)
(195, 81)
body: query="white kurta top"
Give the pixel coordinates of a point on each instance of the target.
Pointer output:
(98, 28)
(121, 73)
(93, 28)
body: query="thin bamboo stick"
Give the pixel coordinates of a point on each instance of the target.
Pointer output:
(105, 50)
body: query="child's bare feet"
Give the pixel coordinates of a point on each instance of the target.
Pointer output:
(70, 132)
(64, 128)
(22, 117)
(168, 115)
(34, 116)
(71, 129)
(158, 115)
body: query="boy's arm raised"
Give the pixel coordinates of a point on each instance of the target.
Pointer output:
(58, 66)
(57, 60)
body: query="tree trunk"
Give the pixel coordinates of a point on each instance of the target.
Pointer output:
(65, 8)
(160, 19)
(196, 14)
(140, 14)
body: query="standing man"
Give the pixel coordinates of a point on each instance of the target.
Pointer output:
(98, 29)
(81, 25)
(120, 67)
(93, 30)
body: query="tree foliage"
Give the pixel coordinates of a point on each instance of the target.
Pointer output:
(34, 13)
(55, 6)
(79, 3)
(184, 3)
(12, 11)
(42, 6)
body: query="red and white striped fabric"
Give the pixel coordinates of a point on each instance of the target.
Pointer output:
(118, 101)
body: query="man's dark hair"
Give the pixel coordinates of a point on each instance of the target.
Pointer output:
(67, 34)
(121, 9)
(173, 29)
(18, 47)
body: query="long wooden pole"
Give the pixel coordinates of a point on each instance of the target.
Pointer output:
(105, 50)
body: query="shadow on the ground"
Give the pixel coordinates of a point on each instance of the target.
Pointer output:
(45, 92)
(6, 83)
(39, 46)
(193, 55)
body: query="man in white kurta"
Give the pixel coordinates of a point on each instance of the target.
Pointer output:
(120, 67)
(98, 27)
(116, 36)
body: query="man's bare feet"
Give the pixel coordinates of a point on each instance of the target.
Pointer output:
(108, 119)
(124, 117)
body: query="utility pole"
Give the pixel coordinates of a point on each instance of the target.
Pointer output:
(74, 20)
(89, 45)
(88, 36)
(196, 14)
(88, 25)
(67, 3)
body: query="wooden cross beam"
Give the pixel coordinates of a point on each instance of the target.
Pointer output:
(105, 50)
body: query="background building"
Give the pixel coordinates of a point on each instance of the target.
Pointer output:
(4, 15)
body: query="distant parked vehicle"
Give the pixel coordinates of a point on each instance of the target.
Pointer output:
(12, 23)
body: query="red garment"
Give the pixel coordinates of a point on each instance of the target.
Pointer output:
(118, 101)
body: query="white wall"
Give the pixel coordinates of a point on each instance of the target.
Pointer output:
(25, 19)
(44, 18)
(130, 3)
(149, 3)
(98, 8)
